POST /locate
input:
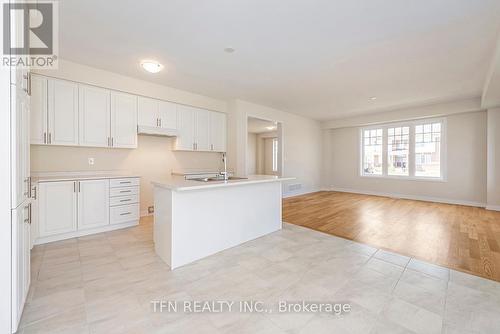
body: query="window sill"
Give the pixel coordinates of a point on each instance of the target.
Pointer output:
(405, 178)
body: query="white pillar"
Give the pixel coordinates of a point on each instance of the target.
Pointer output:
(493, 169)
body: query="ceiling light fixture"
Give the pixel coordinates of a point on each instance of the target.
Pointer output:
(229, 50)
(270, 128)
(151, 66)
(373, 98)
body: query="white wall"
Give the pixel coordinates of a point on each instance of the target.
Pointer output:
(301, 143)
(494, 159)
(466, 156)
(252, 153)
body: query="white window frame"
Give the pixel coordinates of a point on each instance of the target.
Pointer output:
(411, 159)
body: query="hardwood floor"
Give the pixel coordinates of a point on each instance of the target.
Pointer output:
(458, 237)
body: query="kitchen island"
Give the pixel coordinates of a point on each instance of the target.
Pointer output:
(194, 219)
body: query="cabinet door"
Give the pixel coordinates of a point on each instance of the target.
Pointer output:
(123, 120)
(147, 112)
(38, 110)
(20, 261)
(62, 112)
(167, 113)
(57, 209)
(185, 128)
(93, 203)
(94, 110)
(20, 146)
(202, 130)
(217, 132)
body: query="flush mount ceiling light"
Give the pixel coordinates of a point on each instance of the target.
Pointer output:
(229, 50)
(151, 66)
(373, 98)
(270, 128)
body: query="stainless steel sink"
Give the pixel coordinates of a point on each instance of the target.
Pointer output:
(215, 179)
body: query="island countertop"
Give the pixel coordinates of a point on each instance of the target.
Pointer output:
(178, 183)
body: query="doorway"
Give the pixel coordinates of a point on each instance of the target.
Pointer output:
(264, 147)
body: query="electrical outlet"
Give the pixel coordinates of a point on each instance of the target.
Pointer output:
(91, 161)
(151, 209)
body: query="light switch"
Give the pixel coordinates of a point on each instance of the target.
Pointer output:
(91, 161)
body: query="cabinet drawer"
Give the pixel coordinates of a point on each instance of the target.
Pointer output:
(125, 182)
(123, 200)
(124, 213)
(125, 191)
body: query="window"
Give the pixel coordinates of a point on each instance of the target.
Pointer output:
(407, 150)
(372, 152)
(398, 150)
(428, 150)
(275, 154)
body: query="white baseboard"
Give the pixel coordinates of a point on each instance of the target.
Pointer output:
(493, 207)
(411, 197)
(64, 236)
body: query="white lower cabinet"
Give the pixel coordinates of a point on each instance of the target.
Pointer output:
(93, 203)
(21, 274)
(68, 209)
(57, 208)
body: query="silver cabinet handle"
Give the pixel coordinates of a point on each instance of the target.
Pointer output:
(125, 213)
(34, 193)
(125, 182)
(125, 191)
(74, 187)
(45, 138)
(112, 142)
(50, 138)
(78, 186)
(126, 200)
(160, 122)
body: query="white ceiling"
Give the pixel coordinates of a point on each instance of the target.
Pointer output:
(256, 125)
(319, 58)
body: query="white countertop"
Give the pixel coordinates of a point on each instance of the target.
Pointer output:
(79, 176)
(178, 183)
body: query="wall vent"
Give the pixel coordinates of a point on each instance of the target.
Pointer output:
(294, 186)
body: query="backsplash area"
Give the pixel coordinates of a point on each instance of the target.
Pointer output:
(153, 159)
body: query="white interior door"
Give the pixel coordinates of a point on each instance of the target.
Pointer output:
(185, 127)
(167, 113)
(202, 130)
(62, 112)
(218, 131)
(93, 203)
(20, 261)
(147, 112)
(94, 125)
(57, 208)
(123, 120)
(38, 110)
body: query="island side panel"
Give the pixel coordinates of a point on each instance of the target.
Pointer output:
(208, 221)
(162, 228)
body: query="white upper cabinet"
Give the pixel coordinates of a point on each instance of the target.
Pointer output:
(123, 120)
(218, 130)
(202, 130)
(38, 110)
(72, 114)
(57, 208)
(95, 115)
(93, 203)
(20, 146)
(186, 129)
(62, 112)
(148, 112)
(167, 114)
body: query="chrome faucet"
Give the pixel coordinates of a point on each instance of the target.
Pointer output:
(224, 174)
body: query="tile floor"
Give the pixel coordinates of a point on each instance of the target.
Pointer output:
(105, 284)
